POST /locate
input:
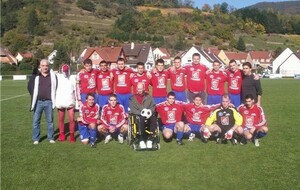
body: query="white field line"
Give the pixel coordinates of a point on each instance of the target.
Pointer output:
(13, 97)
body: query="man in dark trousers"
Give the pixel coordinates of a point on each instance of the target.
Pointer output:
(42, 88)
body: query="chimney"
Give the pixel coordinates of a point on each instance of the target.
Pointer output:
(132, 45)
(112, 45)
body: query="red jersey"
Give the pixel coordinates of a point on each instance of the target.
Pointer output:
(198, 115)
(196, 77)
(252, 117)
(169, 114)
(113, 116)
(89, 114)
(234, 81)
(122, 80)
(137, 78)
(177, 79)
(215, 83)
(87, 81)
(159, 83)
(104, 83)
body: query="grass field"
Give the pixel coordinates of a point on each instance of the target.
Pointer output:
(273, 165)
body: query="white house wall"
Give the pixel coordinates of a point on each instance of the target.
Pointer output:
(187, 58)
(290, 67)
(280, 59)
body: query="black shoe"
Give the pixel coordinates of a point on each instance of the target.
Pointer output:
(219, 141)
(93, 145)
(243, 141)
(204, 140)
(233, 141)
(179, 142)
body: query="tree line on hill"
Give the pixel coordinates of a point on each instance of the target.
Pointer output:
(25, 22)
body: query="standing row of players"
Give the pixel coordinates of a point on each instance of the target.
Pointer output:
(186, 82)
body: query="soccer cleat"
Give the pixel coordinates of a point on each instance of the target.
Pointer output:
(93, 145)
(192, 136)
(35, 142)
(204, 140)
(61, 137)
(243, 141)
(219, 141)
(256, 142)
(72, 138)
(107, 139)
(143, 145)
(233, 141)
(149, 144)
(52, 141)
(120, 139)
(179, 142)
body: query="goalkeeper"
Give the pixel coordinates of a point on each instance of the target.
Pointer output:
(225, 122)
(142, 106)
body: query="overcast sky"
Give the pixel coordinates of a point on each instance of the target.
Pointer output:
(235, 3)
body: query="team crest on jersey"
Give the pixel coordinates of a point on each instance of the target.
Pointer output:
(86, 111)
(211, 76)
(225, 120)
(100, 76)
(193, 109)
(220, 114)
(85, 76)
(231, 75)
(192, 69)
(166, 108)
(109, 112)
(136, 80)
(246, 112)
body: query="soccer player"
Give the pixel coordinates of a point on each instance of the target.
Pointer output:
(88, 120)
(196, 79)
(254, 124)
(225, 121)
(177, 80)
(250, 85)
(159, 81)
(215, 84)
(104, 84)
(171, 114)
(196, 114)
(235, 77)
(139, 101)
(122, 84)
(65, 101)
(113, 120)
(86, 81)
(140, 77)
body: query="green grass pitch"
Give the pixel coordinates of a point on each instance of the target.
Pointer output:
(273, 165)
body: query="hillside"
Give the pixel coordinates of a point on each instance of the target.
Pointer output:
(46, 25)
(287, 7)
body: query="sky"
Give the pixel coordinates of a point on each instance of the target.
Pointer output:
(235, 3)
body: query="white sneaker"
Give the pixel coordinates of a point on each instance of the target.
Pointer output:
(256, 142)
(149, 144)
(142, 145)
(52, 141)
(120, 139)
(192, 136)
(36, 142)
(107, 139)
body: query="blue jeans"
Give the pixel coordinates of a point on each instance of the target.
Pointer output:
(40, 107)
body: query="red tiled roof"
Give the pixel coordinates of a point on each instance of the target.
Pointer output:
(236, 55)
(109, 54)
(180, 54)
(260, 54)
(27, 55)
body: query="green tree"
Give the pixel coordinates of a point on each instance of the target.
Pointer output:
(32, 22)
(241, 44)
(61, 56)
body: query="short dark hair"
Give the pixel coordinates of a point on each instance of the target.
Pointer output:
(159, 61)
(232, 61)
(197, 96)
(102, 62)
(196, 55)
(249, 96)
(90, 94)
(88, 61)
(140, 63)
(112, 95)
(121, 59)
(247, 64)
(177, 57)
(171, 94)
